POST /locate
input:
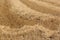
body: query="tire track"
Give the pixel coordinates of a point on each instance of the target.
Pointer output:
(54, 2)
(41, 8)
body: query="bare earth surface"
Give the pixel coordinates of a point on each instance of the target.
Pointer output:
(29, 19)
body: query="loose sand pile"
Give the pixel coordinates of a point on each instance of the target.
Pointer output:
(29, 19)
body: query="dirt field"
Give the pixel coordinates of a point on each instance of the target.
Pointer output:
(29, 19)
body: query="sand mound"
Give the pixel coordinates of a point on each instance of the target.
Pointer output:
(29, 20)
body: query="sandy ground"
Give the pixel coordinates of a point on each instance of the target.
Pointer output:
(29, 19)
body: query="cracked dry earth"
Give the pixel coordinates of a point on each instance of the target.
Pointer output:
(29, 19)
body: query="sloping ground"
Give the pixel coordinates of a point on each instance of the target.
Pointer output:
(29, 20)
